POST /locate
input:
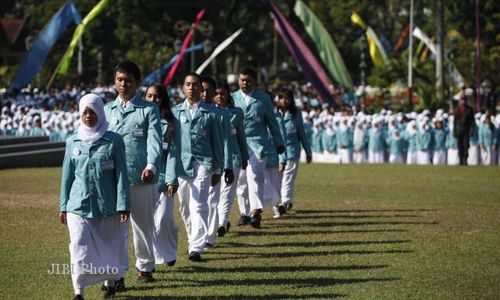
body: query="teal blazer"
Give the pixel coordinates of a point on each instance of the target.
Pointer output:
(139, 125)
(295, 135)
(259, 116)
(169, 156)
(225, 119)
(200, 137)
(487, 136)
(238, 137)
(94, 182)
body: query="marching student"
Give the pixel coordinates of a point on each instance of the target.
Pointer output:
(487, 140)
(395, 142)
(224, 117)
(316, 144)
(94, 199)
(294, 137)
(165, 234)
(239, 148)
(360, 141)
(329, 140)
(474, 158)
(439, 141)
(344, 141)
(202, 158)
(376, 142)
(259, 117)
(138, 122)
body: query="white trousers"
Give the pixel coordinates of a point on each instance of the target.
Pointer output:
(165, 233)
(411, 157)
(213, 216)
(93, 247)
(345, 156)
(193, 206)
(488, 156)
(142, 209)
(439, 157)
(288, 178)
(242, 193)
(359, 157)
(227, 193)
(423, 157)
(453, 158)
(375, 157)
(395, 158)
(255, 180)
(272, 183)
(474, 156)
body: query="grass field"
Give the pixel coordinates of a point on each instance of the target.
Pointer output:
(358, 232)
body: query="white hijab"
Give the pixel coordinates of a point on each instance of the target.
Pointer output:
(92, 134)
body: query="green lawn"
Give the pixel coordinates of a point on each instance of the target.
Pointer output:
(358, 231)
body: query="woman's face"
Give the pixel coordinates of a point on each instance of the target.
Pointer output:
(152, 95)
(283, 102)
(89, 117)
(221, 97)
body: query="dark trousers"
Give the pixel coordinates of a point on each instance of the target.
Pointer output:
(463, 147)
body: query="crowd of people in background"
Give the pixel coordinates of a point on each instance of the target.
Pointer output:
(340, 134)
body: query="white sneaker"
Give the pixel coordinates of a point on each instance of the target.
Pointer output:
(276, 213)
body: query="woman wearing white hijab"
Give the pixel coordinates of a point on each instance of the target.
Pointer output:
(94, 199)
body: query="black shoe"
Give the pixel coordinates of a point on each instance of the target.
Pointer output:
(228, 225)
(255, 220)
(288, 206)
(194, 256)
(221, 231)
(78, 297)
(145, 276)
(244, 220)
(282, 210)
(120, 285)
(171, 263)
(109, 292)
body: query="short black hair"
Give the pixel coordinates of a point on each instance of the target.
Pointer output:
(209, 80)
(249, 71)
(193, 74)
(130, 67)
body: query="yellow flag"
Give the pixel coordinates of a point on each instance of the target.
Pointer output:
(356, 19)
(66, 60)
(376, 50)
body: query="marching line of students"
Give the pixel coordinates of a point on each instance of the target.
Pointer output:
(130, 156)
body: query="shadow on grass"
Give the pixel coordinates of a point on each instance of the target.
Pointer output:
(241, 296)
(277, 269)
(312, 244)
(310, 232)
(241, 255)
(328, 216)
(319, 211)
(333, 224)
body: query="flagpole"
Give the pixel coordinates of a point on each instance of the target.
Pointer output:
(478, 59)
(410, 60)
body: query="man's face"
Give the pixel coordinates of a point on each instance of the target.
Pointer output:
(246, 83)
(207, 92)
(192, 88)
(126, 85)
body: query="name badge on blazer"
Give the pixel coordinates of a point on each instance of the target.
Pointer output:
(165, 146)
(138, 132)
(107, 165)
(183, 119)
(233, 131)
(115, 121)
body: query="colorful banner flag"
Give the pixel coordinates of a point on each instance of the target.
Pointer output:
(37, 55)
(218, 50)
(185, 44)
(402, 38)
(303, 56)
(376, 50)
(66, 60)
(157, 75)
(327, 49)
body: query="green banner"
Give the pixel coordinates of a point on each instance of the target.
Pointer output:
(66, 60)
(328, 52)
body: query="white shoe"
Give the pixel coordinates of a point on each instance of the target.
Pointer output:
(276, 213)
